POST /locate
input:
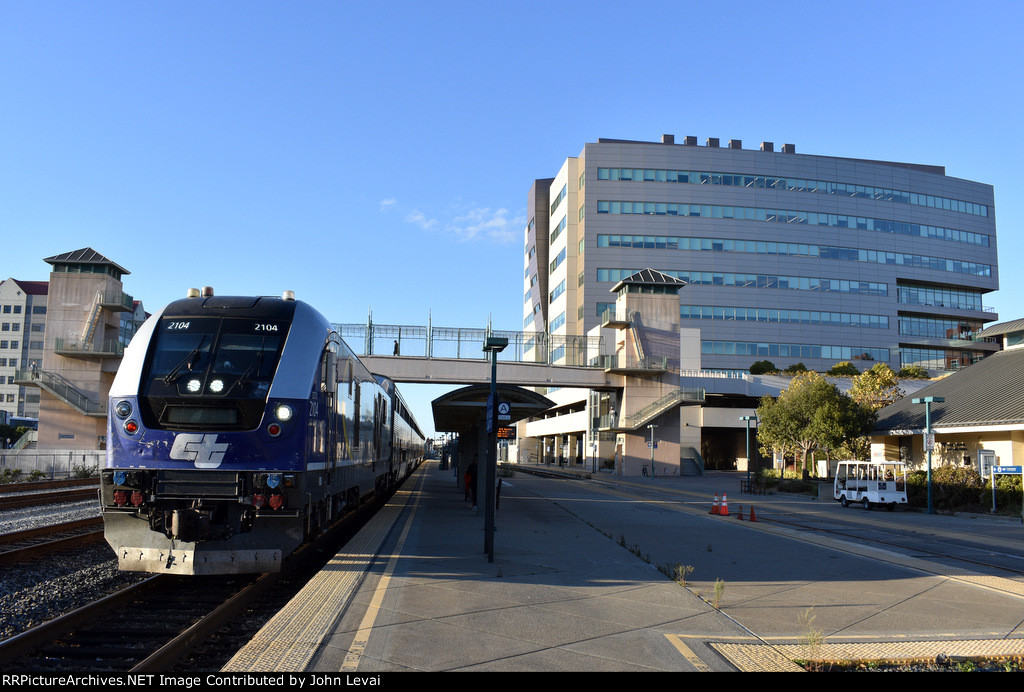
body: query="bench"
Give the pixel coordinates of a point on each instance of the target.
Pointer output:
(757, 486)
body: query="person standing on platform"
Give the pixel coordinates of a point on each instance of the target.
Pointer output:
(471, 472)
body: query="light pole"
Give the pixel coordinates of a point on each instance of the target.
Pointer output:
(748, 419)
(928, 401)
(493, 345)
(651, 427)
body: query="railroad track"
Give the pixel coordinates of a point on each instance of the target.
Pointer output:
(545, 472)
(162, 620)
(121, 631)
(910, 545)
(36, 499)
(7, 488)
(23, 545)
(17, 495)
(862, 528)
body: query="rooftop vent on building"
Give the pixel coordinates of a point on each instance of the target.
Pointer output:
(712, 142)
(735, 144)
(668, 139)
(767, 146)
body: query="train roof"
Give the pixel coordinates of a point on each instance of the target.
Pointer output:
(271, 307)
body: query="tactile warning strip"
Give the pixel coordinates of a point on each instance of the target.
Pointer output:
(760, 657)
(289, 640)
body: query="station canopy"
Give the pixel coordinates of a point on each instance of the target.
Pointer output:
(464, 409)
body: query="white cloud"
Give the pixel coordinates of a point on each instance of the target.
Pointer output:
(467, 224)
(420, 219)
(484, 223)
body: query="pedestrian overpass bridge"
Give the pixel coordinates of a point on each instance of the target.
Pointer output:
(455, 356)
(449, 355)
(465, 371)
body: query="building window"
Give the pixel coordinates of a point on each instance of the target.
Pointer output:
(804, 218)
(557, 261)
(826, 352)
(793, 185)
(766, 247)
(558, 199)
(740, 314)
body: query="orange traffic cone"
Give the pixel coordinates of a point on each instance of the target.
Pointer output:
(740, 515)
(752, 517)
(714, 505)
(723, 508)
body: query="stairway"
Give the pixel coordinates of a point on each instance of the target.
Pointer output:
(656, 408)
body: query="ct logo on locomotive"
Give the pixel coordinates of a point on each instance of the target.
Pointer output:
(202, 449)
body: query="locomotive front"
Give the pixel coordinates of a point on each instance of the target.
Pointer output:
(206, 436)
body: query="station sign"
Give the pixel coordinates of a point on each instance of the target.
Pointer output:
(502, 412)
(506, 433)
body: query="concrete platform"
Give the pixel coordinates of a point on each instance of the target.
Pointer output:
(415, 591)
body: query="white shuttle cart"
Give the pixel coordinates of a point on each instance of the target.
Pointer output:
(871, 483)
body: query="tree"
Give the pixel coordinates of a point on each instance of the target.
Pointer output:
(913, 372)
(844, 369)
(877, 387)
(763, 367)
(808, 415)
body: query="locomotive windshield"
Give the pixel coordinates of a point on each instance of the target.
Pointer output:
(204, 370)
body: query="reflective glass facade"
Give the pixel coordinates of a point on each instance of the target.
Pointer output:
(793, 257)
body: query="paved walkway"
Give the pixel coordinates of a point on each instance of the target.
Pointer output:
(416, 592)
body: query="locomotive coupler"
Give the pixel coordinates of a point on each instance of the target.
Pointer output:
(190, 525)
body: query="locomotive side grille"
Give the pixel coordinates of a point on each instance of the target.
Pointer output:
(174, 483)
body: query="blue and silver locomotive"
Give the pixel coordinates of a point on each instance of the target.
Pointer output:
(239, 427)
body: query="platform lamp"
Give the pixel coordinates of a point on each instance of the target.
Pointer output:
(492, 345)
(651, 427)
(928, 401)
(748, 419)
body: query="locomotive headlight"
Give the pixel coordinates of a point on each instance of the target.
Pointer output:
(217, 386)
(194, 385)
(284, 413)
(123, 409)
(131, 427)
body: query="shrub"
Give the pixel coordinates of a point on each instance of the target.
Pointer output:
(794, 369)
(10, 475)
(763, 367)
(844, 369)
(83, 471)
(954, 488)
(912, 372)
(1008, 494)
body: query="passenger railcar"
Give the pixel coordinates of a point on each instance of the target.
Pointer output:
(238, 427)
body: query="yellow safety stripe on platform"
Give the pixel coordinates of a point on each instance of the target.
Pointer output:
(288, 642)
(362, 637)
(687, 652)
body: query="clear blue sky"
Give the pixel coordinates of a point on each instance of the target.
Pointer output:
(378, 155)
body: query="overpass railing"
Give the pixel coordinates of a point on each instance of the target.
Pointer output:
(466, 342)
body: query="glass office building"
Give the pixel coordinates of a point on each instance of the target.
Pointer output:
(791, 258)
